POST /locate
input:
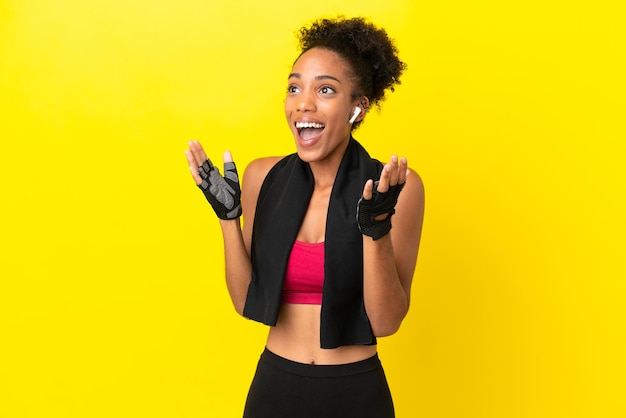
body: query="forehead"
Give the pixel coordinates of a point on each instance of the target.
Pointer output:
(320, 61)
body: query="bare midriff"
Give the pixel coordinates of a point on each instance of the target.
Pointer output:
(296, 337)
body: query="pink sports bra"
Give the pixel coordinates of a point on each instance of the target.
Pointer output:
(304, 279)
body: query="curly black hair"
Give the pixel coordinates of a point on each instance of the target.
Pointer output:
(372, 55)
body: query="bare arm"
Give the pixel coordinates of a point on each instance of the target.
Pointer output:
(389, 262)
(237, 262)
(236, 241)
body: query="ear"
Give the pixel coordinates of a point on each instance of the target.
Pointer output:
(364, 104)
(359, 110)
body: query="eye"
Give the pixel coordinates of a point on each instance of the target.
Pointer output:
(327, 90)
(292, 89)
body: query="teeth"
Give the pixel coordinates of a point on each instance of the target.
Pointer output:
(301, 125)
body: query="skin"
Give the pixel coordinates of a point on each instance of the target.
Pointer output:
(320, 88)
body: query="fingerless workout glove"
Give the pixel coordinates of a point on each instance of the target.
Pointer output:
(223, 193)
(380, 204)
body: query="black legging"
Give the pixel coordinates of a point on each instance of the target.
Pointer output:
(285, 389)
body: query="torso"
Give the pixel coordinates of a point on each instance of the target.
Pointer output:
(296, 335)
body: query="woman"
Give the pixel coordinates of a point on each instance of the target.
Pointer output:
(321, 263)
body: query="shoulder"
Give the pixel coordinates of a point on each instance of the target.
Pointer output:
(260, 167)
(410, 206)
(414, 185)
(254, 176)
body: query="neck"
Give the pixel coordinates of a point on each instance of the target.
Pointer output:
(325, 172)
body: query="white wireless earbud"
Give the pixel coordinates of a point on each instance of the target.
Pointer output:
(357, 112)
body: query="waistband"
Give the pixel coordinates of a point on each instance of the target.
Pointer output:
(320, 370)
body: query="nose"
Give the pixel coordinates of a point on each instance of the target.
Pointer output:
(306, 102)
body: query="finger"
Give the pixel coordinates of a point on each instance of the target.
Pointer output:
(393, 171)
(190, 158)
(198, 152)
(383, 183)
(367, 189)
(201, 153)
(193, 151)
(193, 167)
(228, 157)
(402, 171)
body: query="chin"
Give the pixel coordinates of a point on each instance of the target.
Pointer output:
(307, 155)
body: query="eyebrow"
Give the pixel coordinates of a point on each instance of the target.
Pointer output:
(319, 77)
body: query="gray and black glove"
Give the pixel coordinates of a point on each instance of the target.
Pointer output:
(223, 193)
(380, 204)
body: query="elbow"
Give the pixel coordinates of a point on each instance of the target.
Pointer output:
(239, 307)
(238, 300)
(386, 322)
(387, 326)
(385, 331)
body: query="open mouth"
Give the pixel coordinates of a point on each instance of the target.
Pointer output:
(309, 130)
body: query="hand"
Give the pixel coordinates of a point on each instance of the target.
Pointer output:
(377, 205)
(223, 193)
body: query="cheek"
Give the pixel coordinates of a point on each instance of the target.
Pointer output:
(337, 112)
(341, 115)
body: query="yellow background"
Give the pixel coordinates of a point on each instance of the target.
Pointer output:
(112, 297)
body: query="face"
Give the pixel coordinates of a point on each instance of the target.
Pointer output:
(319, 105)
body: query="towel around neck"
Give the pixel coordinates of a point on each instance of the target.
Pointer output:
(281, 206)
